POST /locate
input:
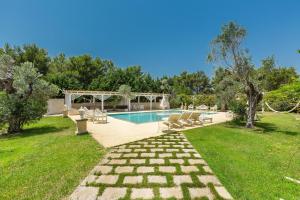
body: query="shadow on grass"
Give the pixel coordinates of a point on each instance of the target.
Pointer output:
(28, 132)
(260, 127)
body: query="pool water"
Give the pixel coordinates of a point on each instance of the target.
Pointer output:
(144, 117)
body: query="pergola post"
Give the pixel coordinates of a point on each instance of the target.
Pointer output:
(94, 102)
(129, 104)
(151, 102)
(102, 102)
(68, 101)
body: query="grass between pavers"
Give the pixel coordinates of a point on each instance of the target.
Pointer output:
(252, 164)
(145, 184)
(46, 161)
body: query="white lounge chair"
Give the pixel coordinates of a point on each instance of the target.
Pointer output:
(195, 118)
(214, 108)
(89, 114)
(191, 107)
(202, 108)
(204, 118)
(173, 121)
(185, 118)
(100, 116)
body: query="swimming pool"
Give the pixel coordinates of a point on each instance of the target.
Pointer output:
(144, 117)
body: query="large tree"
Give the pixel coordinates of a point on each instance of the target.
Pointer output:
(272, 76)
(28, 53)
(25, 94)
(227, 50)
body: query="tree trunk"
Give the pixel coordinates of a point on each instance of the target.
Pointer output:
(254, 97)
(14, 126)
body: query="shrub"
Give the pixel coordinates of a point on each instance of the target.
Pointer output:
(24, 96)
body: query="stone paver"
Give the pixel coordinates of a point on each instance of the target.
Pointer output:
(130, 155)
(89, 179)
(157, 179)
(156, 161)
(188, 169)
(174, 192)
(133, 179)
(113, 193)
(223, 192)
(139, 166)
(196, 161)
(147, 154)
(145, 169)
(115, 155)
(176, 161)
(102, 169)
(107, 179)
(200, 193)
(165, 155)
(85, 193)
(123, 169)
(142, 193)
(183, 155)
(118, 162)
(179, 179)
(209, 179)
(137, 161)
(167, 169)
(207, 169)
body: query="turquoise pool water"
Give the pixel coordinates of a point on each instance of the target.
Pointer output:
(144, 117)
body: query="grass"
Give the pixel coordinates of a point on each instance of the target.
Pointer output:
(46, 161)
(252, 164)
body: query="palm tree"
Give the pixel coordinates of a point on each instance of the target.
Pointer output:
(125, 91)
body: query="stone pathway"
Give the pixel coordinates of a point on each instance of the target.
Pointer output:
(156, 168)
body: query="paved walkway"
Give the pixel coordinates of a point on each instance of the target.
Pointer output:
(161, 167)
(118, 132)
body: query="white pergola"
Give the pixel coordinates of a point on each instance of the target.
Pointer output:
(71, 95)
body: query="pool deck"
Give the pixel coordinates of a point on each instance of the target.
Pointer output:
(117, 132)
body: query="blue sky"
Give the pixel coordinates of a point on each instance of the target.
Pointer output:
(163, 36)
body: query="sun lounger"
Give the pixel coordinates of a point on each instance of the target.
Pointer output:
(173, 121)
(204, 118)
(195, 118)
(185, 118)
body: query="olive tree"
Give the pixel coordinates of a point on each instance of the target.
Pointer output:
(228, 51)
(125, 91)
(24, 96)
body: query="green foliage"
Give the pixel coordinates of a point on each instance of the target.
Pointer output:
(273, 77)
(238, 107)
(29, 53)
(25, 94)
(206, 99)
(284, 98)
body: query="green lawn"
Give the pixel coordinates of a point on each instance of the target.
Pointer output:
(46, 161)
(252, 164)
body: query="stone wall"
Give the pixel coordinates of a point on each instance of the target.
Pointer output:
(55, 106)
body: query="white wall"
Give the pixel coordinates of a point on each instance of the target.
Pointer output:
(55, 106)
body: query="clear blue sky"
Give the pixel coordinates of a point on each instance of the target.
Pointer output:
(163, 36)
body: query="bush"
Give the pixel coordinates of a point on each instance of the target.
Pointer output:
(239, 108)
(25, 94)
(284, 98)
(206, 99)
